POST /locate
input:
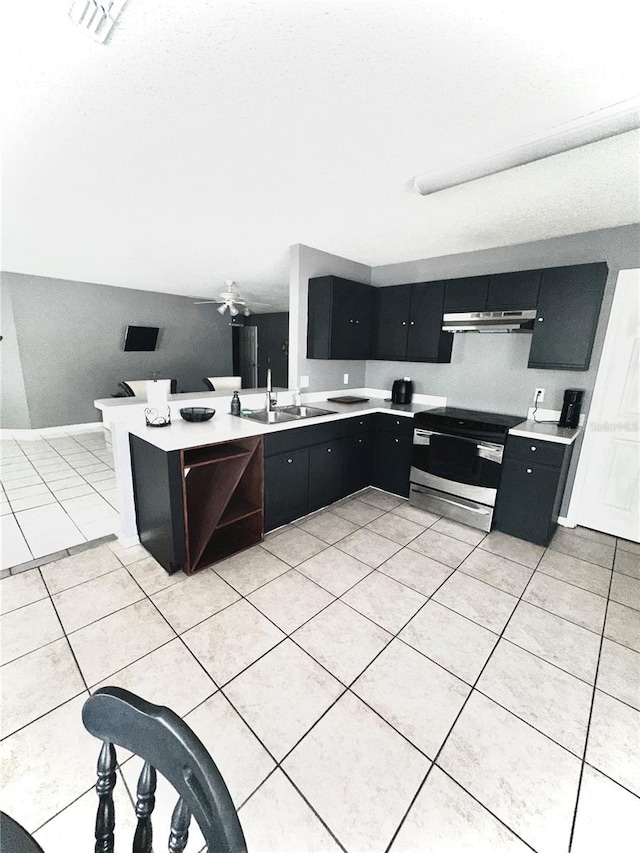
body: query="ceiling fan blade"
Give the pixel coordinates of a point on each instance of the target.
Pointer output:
(209, 302)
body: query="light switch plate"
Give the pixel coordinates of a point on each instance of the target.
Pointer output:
(345, 378)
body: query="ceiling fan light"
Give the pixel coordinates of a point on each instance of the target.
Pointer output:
(246, 312)
(233, 311)
(222, 308)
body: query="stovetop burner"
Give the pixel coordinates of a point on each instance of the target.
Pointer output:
(467, 422)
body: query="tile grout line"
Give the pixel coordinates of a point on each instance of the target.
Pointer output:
(593, 696)
(458, 715)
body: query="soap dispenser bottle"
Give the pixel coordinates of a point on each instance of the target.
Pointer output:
(235, 404)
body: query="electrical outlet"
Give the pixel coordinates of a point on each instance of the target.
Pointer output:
(304, 381)
(345, 378)
(538, 397)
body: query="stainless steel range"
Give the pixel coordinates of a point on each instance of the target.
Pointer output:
(457, 462)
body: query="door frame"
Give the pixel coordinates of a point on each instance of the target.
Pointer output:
(606, 365)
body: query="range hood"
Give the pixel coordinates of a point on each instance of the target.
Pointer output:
(489, 321)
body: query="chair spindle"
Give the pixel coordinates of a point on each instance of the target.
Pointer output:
(106, 817)
(180, 820)
(145, 804)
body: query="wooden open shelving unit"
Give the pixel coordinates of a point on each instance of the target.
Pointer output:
(199, 505)
(222, 487)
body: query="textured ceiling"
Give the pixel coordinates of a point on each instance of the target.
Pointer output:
(207, 137)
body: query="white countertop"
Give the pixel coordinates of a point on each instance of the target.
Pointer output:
(545, 432)
(225, 427)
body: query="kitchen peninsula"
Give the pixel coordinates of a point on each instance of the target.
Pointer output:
(192, 493)
(193, 443)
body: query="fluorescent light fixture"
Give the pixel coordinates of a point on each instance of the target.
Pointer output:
(618, 118)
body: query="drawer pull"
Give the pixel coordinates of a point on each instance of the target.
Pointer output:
(289, 461)
(529, 471)
(396, 440)
(328, 450)
(359, 441)
(533, 447)
(540, 319)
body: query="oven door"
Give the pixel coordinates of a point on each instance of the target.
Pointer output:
(468, 468)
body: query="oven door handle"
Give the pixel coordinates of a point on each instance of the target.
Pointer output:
(466, 506)
(485, 449)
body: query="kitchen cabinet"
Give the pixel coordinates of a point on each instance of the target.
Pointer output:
(534, 475)
(309, 467)
(569, 305)
(462, 295)
(340, 318)
(514, 291)
(392, 322)
(326, 462)
(392, 456)
(198, 505)
(409, 323)
(357, 472)
(286, 487)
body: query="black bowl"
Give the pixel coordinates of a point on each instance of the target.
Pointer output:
(196, 414)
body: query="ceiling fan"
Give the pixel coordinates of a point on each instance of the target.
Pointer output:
(230, 299)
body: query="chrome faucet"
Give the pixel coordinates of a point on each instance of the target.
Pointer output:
(271, 398)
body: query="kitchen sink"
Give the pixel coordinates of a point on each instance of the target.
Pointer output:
(304, 411)
(284, 414)
(265, 417)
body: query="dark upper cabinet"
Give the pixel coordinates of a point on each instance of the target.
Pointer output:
(426, 340)
(466, 294)
(514, 291)
(408, 323)
(392, 322)
(569, 304)
(340, 318)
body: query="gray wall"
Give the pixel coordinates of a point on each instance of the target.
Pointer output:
(490, 371)
(323, 375)
(70, 336)
(14, 413)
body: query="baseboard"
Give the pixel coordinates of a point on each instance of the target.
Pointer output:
(128, 541)
(43, 432)
(564, 522)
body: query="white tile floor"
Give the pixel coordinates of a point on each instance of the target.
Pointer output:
(372, 678)
(55, 493)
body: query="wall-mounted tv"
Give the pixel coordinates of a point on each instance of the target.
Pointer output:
(140, 338)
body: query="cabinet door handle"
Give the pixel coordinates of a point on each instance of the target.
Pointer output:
(529, 471)
(533, 447)
(412, 323)
(540, 319)
(404, 322)
(396, 440)
(289, 461)
(359, 441)
(328, 450)
(357, 322)
(351, 321)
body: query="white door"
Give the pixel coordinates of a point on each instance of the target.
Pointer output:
(608, 475)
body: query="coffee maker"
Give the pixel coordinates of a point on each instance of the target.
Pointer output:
(570, 416)
(402, 391)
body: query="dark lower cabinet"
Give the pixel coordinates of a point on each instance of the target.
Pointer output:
(358, 462)
(392, 457)
(325, 473)
(286, 481)
(310, 467)
(530, 493)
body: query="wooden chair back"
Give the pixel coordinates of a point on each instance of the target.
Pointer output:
(169, 747)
